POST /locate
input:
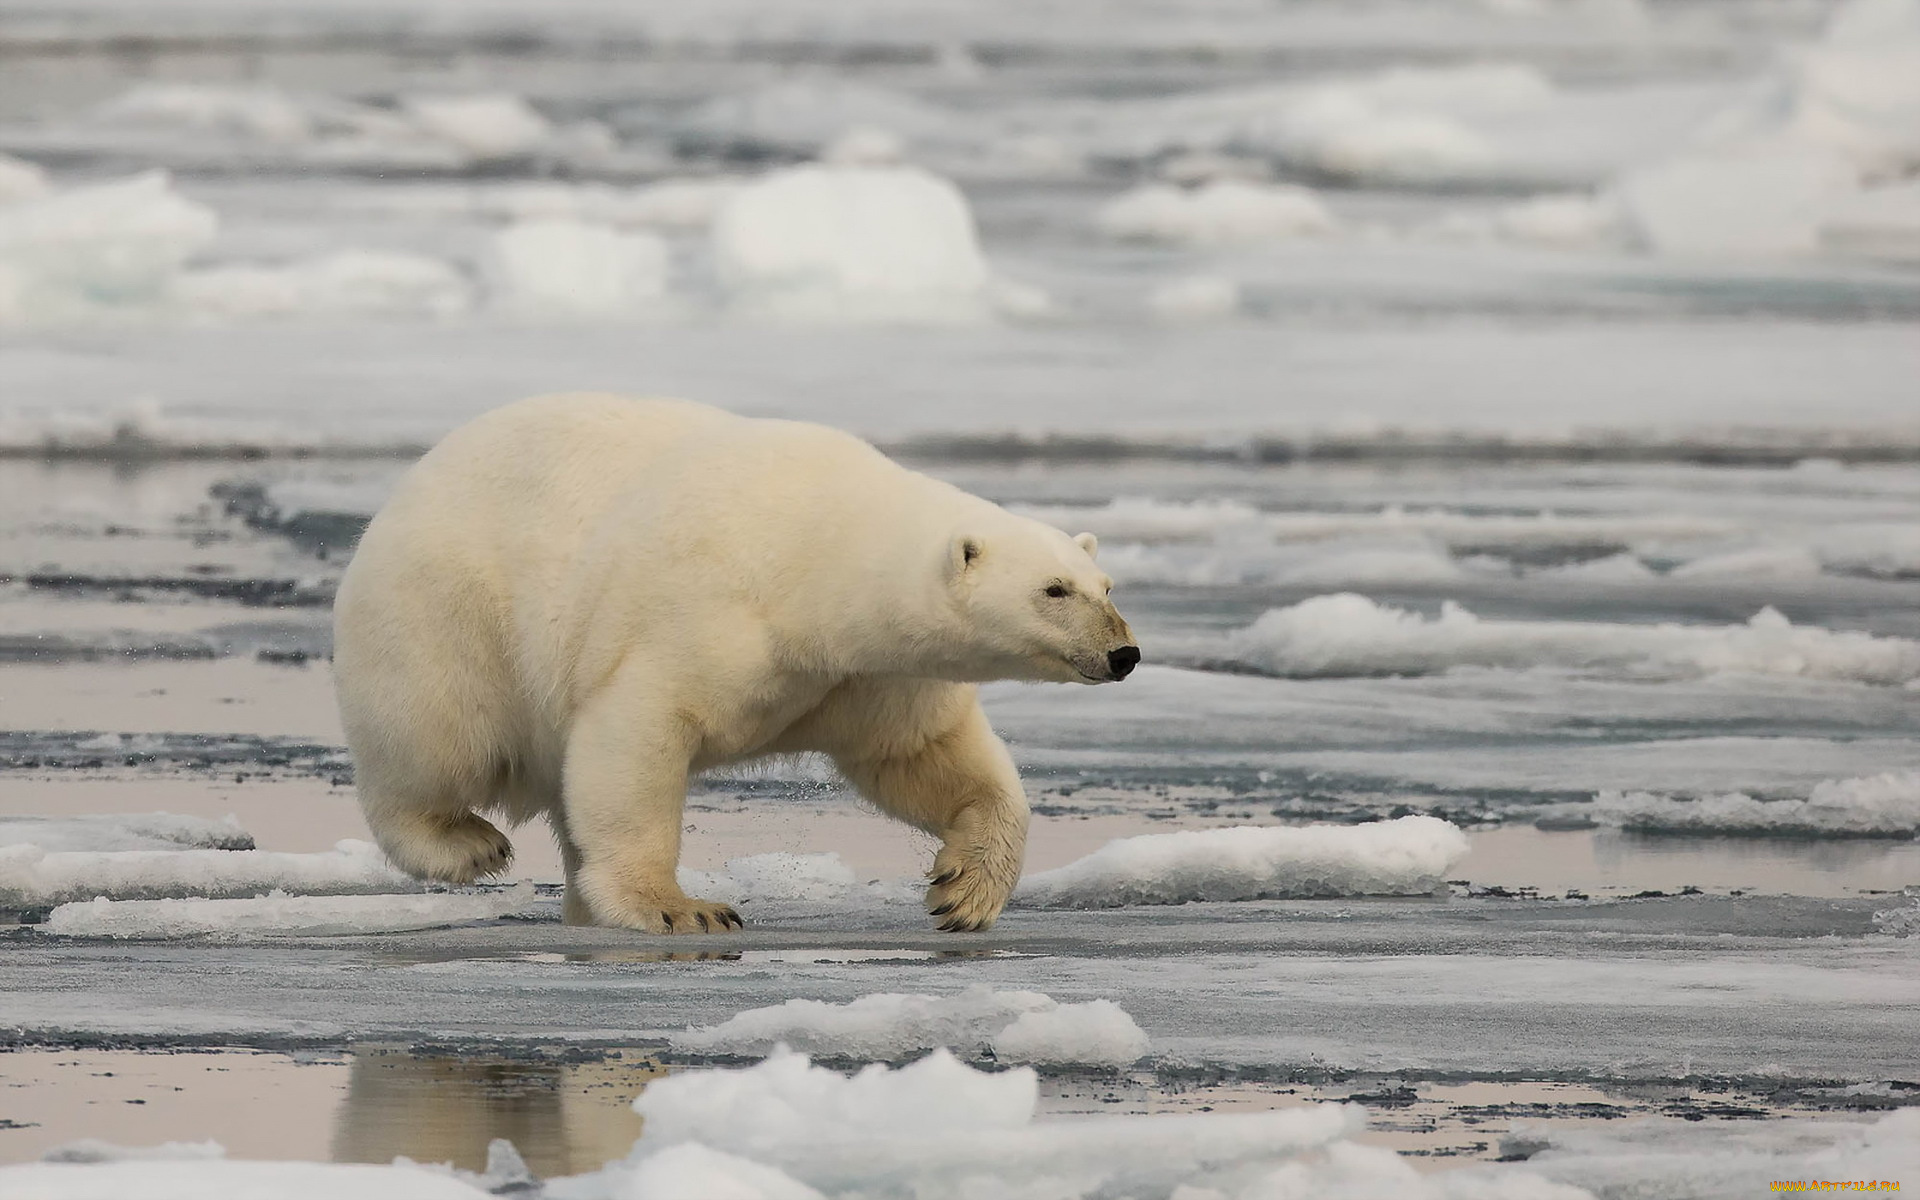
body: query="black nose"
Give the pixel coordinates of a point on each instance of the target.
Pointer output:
(1122, 661)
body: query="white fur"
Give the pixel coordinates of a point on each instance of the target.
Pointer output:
(575, 602)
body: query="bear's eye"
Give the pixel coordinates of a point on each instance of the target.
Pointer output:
(1057, 590)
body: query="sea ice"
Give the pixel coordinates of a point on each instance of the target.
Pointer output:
(1348, 634)
(93, 1150)
(1769, 199)
(124, 831)
(31, 877)
(1408, 856)
(802, 117)
(558, 265)
(888, 243)
(1024, 1027)
(363, 282)
(1195, 298)
(230, 1180)
(934, 1127)
(484, 126)
(262, 112)
(104, 244)
(279, 915)
(1886, 805)
(20, 180)
(1222, 212)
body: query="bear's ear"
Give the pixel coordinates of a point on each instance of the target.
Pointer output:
(963, 553)
(1087, 542)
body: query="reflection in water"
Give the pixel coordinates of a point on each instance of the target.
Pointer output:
(563, 1117)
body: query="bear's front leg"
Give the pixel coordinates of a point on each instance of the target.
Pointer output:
(959, 782)
(624, 792)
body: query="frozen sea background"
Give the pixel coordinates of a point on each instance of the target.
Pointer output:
(1505, 413)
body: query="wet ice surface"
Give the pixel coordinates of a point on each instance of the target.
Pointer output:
(1454, 459)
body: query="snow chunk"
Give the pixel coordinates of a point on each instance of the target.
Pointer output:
(1223, 212)
(894, 243)
(1014, 1026)
(1348, 634)
(111, 243)
(125, 831)
(1098, 1033)
(1871, 806)
(565, 266)
(20, 180)
(936, 1122)
(262, 112)
(1196, 298)
(148, 1180)
(1574, 220)
(772, 877)
(350, 281)
(1763, 200)
(280, 915)
(1404, 857)
(500, 125)
(31, 877)
(1898, 922)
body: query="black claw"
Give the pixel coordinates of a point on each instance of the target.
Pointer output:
(733, 918)
(668, 918)
(945, 877)
(702, 918)
(944, 909)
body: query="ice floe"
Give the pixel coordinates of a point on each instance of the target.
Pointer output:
(241, 1180)
(344, 282)
(787, 1129)
(278, 914)
(1195, 298)
(1886, 805)
(1222, 212)
(1407, 856)
(1348, 634)
(105, 244)
(563, 266)
(124, 831)
(31, 877)
(889, 243)
(1013, 1027)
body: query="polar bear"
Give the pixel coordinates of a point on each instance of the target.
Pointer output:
(574, 603)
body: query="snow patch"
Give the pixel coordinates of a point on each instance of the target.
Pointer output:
(124, 831)
(559, 265)
(1885, 805)
(93, 1150)
(885, 243)
(1408, 856)
(280, 915)
(32, 877)
(1348, 634)
(488, 126)
(1224, 212)
(1013, 1026)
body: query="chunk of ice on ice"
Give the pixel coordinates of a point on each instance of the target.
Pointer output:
(1223, 212)
(1408, 856)
(107, 243)
(31, 877)
(558, 265)
(1886, 805)
(1014, 1026)
(125, 831)
(280, 915)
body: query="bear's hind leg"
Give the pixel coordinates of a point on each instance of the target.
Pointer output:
(959, 783)
(448, 842)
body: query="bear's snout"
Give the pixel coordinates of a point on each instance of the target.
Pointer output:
(1122, 661)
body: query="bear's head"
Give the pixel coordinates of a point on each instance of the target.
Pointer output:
(1033, 600)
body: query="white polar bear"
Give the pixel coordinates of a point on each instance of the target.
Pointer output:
(574, 603)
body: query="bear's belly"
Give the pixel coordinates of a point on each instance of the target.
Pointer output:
(758, 726)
